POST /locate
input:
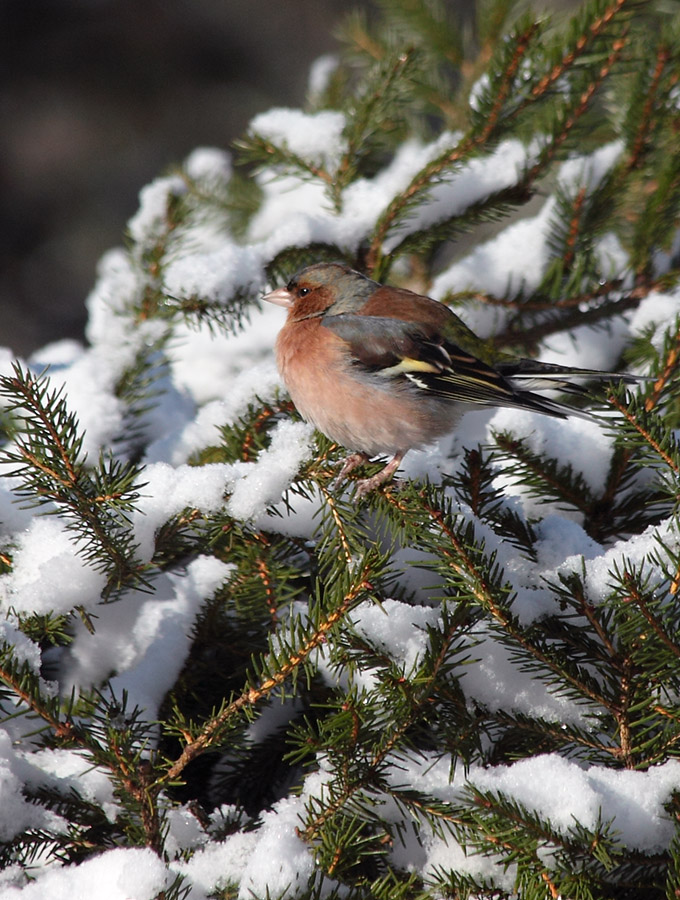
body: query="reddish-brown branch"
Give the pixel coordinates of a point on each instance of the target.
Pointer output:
(574, 225)
(570, 58)
(644, 128)
(521, 47)
(62, 729)
(621, 714)
(252, 695)
(588, 611)
(529, 337)
(554, 891)
(584, 103)
(642, 431)
(635, 597)
(577, 500)
(670, 368)
(265, 577)
(575, 301)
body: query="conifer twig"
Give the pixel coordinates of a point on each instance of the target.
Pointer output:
(646, 119)
(210, 732)
(62, 728)
(643, 432)
(390, 740)
(583, 41)
(670, 368)
(461, 562)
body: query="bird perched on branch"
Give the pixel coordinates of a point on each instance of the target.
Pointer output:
(382, 370)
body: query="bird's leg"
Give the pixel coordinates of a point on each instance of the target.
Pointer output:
(356, 459)
(366, 485)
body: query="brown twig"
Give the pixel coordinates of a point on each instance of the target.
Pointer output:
(570, 58)
(644, 127)
(62, 729)
(577, 209)
(635, 597)
(670, 368)
(252, 695)
(463, 565)
(584, 103)
(643, 432)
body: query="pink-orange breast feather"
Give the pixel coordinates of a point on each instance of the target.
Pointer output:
(360, 410)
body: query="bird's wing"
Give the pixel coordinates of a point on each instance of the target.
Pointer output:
(394, 348)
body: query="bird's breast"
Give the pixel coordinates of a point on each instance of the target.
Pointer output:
(358, 409)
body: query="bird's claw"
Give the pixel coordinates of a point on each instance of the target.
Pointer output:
(366, 485)
(351, 463)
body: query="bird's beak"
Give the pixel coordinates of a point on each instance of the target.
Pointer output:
(280, 297)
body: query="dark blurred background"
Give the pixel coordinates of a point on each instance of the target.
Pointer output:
(98, 97)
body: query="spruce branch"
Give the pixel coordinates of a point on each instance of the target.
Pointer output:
(222, 314)
(255, 148)
(541, 476)
(382, 89)
(491, 208)
(609, 304)
(473, 483)
(498, 105)
(537, 302)
(27, 689)
(96, 502)
(370, 744)
(641, 123)
(276, 670)
(243, 439)
(642, 426)
(668, 370)
(551, 861)
(260, 423)
(571, 114)
(472, 576)
(119, 740)
(104, 732)
(632, 661)
(641, 601)
(574, 227)
(505, 80)
(151, 257)
(589, 33)
(526, 735)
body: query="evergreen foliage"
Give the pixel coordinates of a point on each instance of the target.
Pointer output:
(283, 692)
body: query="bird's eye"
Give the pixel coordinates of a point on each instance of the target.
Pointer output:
(303, 292)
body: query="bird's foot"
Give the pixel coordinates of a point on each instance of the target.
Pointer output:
(356, 459)
(366, 485)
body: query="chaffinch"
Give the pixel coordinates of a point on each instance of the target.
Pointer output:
(382, 370)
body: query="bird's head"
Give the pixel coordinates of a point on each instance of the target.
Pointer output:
(323, 289)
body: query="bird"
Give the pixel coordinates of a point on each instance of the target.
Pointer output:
(383, 370)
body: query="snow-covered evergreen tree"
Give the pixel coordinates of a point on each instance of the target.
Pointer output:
(222, 675)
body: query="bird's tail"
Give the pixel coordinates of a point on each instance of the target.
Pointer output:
(528, 376)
